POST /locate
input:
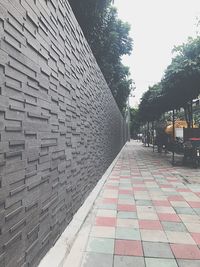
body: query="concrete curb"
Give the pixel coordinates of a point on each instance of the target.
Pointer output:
(59, 252)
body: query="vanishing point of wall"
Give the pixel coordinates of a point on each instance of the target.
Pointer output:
(60, 127)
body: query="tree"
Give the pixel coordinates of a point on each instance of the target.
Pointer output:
(182, 77)
(152, 105)
(122, 87)
(109, 39)
(90, 15)
(134, 123)
(179, 86)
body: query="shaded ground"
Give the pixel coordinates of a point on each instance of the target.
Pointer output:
(147, 215)
(188, 173)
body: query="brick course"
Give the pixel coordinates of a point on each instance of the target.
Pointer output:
(60, 127)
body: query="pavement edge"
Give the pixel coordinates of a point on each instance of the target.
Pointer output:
(56, 256)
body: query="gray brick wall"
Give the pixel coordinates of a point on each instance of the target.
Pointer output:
(60, 127)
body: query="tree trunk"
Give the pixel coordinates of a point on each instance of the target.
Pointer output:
(148, 134)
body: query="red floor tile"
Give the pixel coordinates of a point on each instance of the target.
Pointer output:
(139, 189)
(128, 248)
(183, 190)
(122, 207)
(194, 204)
(196, 237)
(105, 221)
(186, 251)
(175, 198)
(163, 203)
(166, 186)
(169, 217)
(110, 200)
(150, 225)
(114, 179)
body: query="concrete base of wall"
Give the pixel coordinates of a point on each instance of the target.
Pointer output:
(59, 255)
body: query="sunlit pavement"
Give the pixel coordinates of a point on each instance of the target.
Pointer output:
(147, 215)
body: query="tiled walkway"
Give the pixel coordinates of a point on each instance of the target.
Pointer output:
(146, 215)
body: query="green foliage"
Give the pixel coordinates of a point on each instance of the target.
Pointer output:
(151, 105)
(179, 86)
(109, 39)
(122, 86)
(182, 78)
(134, 123)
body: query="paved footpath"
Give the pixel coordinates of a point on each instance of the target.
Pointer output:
(146, 215)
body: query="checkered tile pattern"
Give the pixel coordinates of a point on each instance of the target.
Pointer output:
(146, 215)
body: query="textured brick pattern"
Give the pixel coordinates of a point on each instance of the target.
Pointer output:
(60, 127)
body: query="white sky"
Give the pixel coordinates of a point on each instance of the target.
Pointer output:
(156, 27)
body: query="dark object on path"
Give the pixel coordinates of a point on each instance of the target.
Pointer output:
(192, 151)
(176, 146)
(191, 146)
(162, 141)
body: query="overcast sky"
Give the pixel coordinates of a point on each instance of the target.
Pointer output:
(156, 27)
